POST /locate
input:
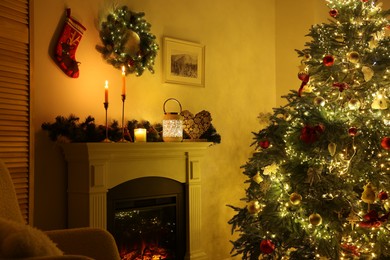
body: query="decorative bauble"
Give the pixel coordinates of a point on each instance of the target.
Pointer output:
(304, 76)
(354, 104)
(319, 101)
(352, 131)
(332, 148)
(295, 198)
(328, 60)
(264, 144)
(257, 178)
(368, 195)
(270, 169)
(385, 143)
(333, 13)
(267, 247)
(383, 195)
(353, 57)
(315, 219)
(379, 103)
(254, 207)
(368, 73)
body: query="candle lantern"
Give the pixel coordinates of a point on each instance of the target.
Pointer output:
(172, 124)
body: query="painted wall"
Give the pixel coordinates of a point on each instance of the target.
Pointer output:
(240, 82)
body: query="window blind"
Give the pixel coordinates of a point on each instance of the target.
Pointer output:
(15, 140)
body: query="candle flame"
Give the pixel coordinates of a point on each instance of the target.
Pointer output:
(123, 70)
(106, 86)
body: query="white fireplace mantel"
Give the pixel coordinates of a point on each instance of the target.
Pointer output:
(93, 168)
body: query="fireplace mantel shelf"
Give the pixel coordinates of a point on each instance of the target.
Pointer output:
(93, 168)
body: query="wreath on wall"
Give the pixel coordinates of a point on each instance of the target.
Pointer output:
(127, 41)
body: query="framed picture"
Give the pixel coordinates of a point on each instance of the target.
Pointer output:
(183, 62)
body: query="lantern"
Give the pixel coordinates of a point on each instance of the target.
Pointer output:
(172, 124)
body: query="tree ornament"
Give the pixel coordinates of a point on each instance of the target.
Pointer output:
(341, 86)
(257, 178)
(319, 101)
(127, 41)
(267, 247)
(368, 195)
(295, 198)
(333, 13)
(354, 104)
(310, 134)
(353, 57)
(373, 220)
(270, 169)
(352, 131)
(332, 148)
(383, 195)
(328, 60)
(304, 77)
(368, 73)
(379, 102)
(385, 143)
(254, 207)
(315, 219)
(264, 144)
(313, 175)
(353, 218)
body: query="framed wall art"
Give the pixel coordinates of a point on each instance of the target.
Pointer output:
(183, 62)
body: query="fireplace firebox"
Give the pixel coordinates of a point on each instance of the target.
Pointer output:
(147, 218)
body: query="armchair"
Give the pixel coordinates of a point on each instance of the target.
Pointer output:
(77, 243)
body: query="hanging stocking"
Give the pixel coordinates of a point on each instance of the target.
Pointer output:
(65, 53)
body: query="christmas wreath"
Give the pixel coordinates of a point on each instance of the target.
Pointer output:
(127, 41)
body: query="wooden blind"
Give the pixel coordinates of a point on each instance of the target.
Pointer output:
(15, 138)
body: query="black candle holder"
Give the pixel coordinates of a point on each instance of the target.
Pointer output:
(106, 140)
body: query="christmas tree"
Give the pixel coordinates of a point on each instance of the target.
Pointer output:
(319, 179)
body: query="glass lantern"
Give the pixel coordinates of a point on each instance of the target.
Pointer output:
(172, 124)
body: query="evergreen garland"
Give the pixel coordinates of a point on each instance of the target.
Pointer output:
(116, 33)
(71, 130)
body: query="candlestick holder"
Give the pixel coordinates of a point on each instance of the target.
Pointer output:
(106, 140)
(123, 140)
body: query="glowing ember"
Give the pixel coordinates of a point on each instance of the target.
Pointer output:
(146, 252)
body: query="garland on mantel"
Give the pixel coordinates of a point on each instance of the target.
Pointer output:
(71, 130)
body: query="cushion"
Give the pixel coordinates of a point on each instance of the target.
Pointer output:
(19, 240)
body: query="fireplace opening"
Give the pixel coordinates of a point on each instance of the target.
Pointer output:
(146, 216)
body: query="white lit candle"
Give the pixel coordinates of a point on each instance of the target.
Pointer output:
(123, 81)
(106, 92)
(140, 135)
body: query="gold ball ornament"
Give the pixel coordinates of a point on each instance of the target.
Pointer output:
(132, 45)
(295, 198)
(353, 57)
(315, 219)
(254, 207)
(354, 104)
(319, 101)
(368, 195)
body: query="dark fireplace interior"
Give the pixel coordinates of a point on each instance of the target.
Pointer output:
(146, 216)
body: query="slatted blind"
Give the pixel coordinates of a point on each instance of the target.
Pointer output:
(15, 138)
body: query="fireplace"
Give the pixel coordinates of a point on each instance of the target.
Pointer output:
(94, 169)
(147, 218)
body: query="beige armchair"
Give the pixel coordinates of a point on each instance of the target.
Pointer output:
(77, 243)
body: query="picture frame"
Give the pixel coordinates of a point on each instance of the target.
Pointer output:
(183, 62)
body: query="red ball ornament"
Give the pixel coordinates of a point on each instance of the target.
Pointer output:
(333, 13)
(328, 60)
(264, 144)
(267, 247)
(352, 131)
(385, 143)
(364, 1)
(302, 75)
(383, 195)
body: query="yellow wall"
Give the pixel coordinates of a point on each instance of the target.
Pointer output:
(240, 82)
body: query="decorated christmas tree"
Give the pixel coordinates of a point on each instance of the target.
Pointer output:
(319, 179)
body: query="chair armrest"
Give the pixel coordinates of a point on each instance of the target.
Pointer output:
(96, 243)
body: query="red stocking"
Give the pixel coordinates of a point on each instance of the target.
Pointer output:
(68, 42)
